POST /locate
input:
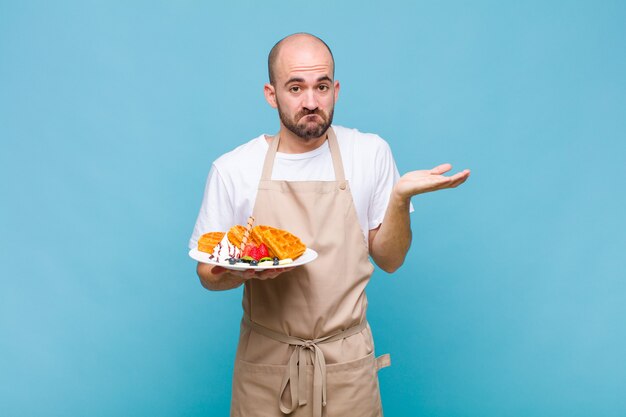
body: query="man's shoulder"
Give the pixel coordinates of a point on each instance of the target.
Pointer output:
(243, 154)
(351, 137)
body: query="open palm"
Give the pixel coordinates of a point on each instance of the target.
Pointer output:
(424, 181)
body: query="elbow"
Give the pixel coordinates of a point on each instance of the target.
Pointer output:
(216, 282)
(211, 285)
(205, 284)
(204, 275)
(392, 261)
(390, 255)
(391, 267)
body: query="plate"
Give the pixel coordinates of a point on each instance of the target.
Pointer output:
(308, 256)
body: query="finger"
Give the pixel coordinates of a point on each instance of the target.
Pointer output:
(273, 273)
(456, 183)
(460, 179)
(248, 273)
(441, 169)
(266, 274)
(460, 175)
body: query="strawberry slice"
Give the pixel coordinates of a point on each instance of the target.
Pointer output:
(264, 252)
(255, 253)
(247, 250)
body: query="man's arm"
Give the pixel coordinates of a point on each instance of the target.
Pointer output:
(220, 280)
(390, 242)
(216, 278)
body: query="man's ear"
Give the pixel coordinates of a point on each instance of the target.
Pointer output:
(336, 90)
(270, 94)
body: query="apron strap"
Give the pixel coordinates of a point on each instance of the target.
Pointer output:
(295, 374)
(268, 165)
(383, 361)
(335, 154)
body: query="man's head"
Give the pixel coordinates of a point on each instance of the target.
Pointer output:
(273, 55)
(302, 86)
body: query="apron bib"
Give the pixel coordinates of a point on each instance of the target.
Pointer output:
(305, 348)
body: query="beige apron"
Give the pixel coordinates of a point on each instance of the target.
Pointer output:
(305, 347)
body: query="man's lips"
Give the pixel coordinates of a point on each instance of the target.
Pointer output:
(310, 117)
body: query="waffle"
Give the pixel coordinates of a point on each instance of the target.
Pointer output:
(280, 242)
(235, 236)
(209, 241)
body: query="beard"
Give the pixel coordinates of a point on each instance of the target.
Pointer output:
(307, 130)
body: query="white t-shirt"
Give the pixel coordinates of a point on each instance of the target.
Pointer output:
(232, 183)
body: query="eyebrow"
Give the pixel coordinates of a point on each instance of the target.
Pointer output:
(301, 80)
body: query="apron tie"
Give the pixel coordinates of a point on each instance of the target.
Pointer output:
(295, 374)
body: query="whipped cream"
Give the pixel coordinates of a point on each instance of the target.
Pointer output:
(224, 250)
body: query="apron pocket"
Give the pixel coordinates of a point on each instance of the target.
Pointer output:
(352, 388)
(255, 389)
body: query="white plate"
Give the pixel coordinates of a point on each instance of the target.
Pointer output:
(308, 256)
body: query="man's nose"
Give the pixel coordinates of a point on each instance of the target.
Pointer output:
(309, 101)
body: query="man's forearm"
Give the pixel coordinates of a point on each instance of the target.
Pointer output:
(217, 282)
(391, 242)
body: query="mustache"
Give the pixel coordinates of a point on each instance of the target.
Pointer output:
(306, 112)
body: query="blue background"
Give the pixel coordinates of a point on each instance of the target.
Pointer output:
(512, 301)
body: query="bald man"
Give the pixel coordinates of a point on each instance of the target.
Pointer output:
(305, 346)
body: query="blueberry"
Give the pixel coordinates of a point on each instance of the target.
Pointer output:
(232, 261)
(276, 262)
(254, 262)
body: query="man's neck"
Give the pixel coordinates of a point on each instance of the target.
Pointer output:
(291, 143)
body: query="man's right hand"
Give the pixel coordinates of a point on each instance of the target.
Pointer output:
(247, 274)
(218, 278)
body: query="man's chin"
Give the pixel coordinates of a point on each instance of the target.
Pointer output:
(312, 132)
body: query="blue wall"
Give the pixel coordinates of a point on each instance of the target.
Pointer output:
(513, 299)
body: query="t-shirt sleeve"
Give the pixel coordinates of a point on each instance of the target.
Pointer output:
(386, 177)
(216, 211)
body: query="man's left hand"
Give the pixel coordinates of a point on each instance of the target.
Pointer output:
(424, 181)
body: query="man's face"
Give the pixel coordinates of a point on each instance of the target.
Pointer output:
(306, 123)
(305, 92)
